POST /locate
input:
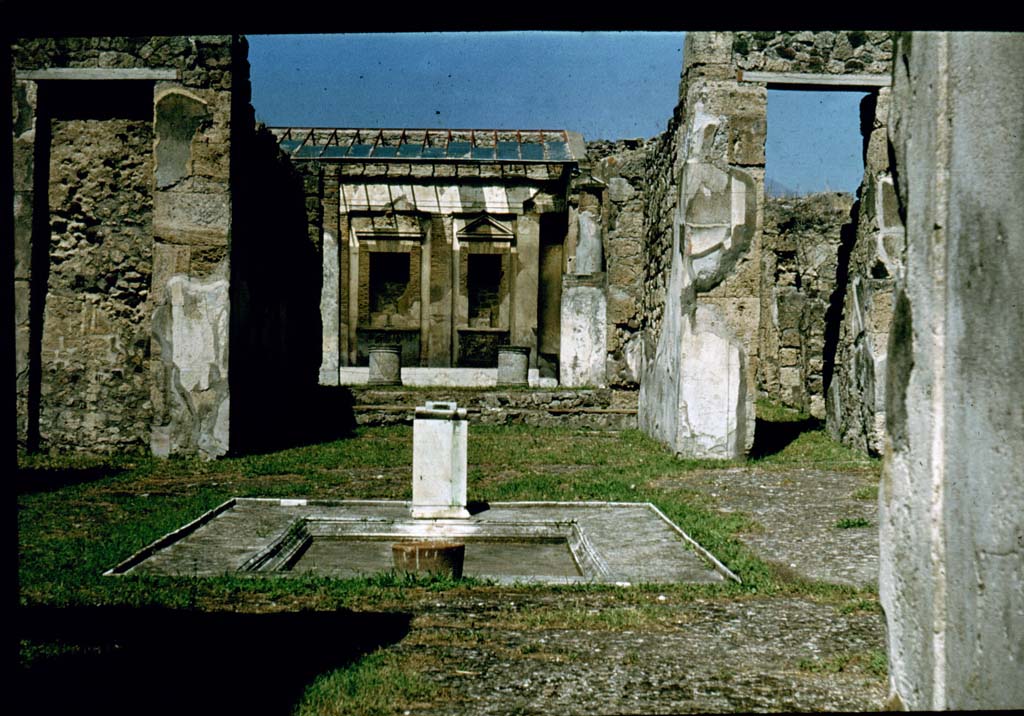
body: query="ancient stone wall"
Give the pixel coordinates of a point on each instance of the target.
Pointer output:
(849, 52)
(94, 343)
(704, 292)
(951, 496)
(855, 402)
(621, 166)
(799, 252)
(696, 390)
(662, 166)
(123, 166)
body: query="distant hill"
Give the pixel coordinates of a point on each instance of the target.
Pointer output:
(777, 190)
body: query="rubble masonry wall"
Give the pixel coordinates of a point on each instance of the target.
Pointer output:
(800, 249)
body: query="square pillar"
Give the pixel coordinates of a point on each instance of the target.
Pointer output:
(439, 440)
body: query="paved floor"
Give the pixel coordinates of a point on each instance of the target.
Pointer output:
(820, 524)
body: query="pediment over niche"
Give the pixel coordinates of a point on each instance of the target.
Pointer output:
(486, 228)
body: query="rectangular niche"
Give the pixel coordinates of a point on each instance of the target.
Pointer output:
(389, 284)
(486, 261)
(389, 297)
(484, 289)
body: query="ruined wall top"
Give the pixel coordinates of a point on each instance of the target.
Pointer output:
(835, 53)
(199, 61)
(721, 54)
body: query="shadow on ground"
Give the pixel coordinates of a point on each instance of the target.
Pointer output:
(114, 660)
(320, 415)
(30, 480)
(771, 437)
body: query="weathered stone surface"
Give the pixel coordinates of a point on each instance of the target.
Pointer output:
(330, 308)
(178, 116)
(855, 401)
(714, 399)
(952, 555)
(589, 257)
(799, 254)
(703, 407)
(191, 329)
(584, 331)
(94, 392)
(853, 51)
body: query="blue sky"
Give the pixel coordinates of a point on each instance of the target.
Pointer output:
(606, 85)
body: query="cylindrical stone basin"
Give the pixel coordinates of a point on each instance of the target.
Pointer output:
(426, 558)
(513, 365)
(385, 364)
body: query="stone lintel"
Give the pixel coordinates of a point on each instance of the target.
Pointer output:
(98, 73)
(779, 80)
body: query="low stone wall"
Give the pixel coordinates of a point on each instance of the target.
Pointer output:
(799, 253)
(601, 408)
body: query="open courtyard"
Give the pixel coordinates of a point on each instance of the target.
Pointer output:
(803, 631)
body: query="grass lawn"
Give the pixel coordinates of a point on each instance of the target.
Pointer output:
(80, 516)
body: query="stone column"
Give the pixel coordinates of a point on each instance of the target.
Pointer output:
(330, 311)
(439, 441)
(330, 297)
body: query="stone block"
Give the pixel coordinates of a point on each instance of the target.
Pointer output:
(790, 377)
(620, 190)
(630, 223)
(192, 216)
(746, 139)
(622, 306)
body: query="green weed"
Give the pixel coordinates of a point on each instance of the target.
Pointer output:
(852, 523)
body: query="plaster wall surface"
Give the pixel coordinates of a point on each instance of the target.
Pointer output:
(951, 498)
(584, 331)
